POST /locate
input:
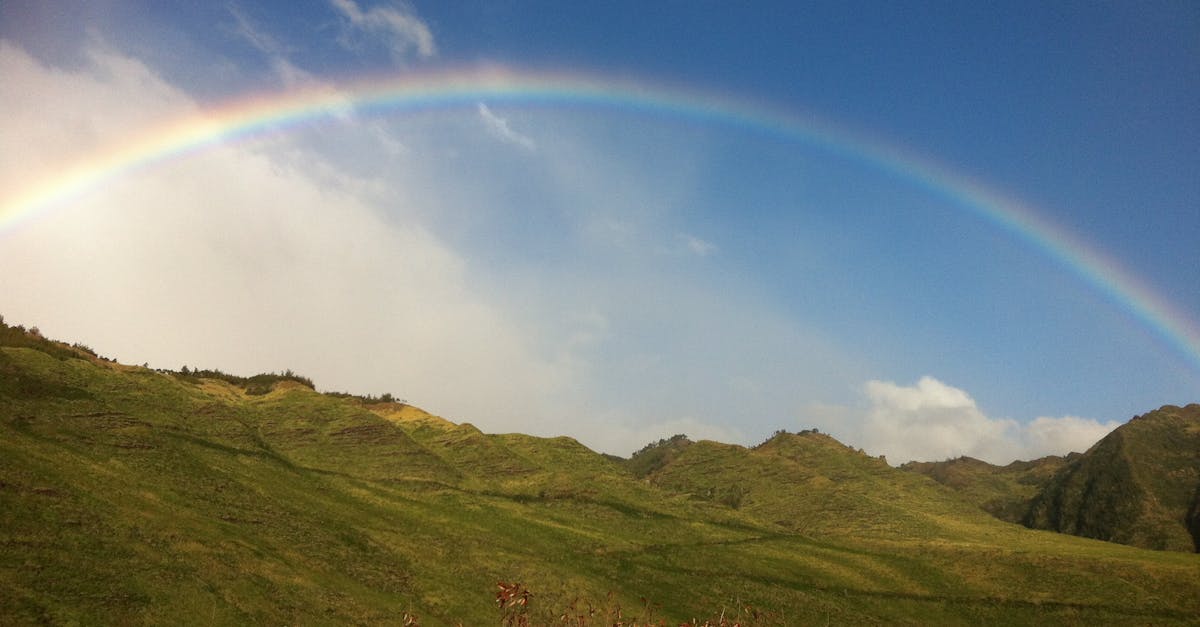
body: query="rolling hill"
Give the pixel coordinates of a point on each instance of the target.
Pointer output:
(135, 496)
(1005, 492)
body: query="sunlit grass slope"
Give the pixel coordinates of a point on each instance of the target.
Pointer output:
(812, 484)
(131, 496)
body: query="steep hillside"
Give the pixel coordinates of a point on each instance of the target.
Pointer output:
(133, 496)
(1002, 491)
(1136, 486)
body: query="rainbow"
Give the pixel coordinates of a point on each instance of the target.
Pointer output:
(416, 91)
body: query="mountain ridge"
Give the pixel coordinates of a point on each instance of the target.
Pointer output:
(1005, 492)
(1137, 485)
(129, 495)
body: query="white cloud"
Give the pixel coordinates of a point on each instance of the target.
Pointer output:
(266, 254)
(933, 421)
(500, 128)
(51, 118)
(1054, 436)
(396, 27)
(245, 259)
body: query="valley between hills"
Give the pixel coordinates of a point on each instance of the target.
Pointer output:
(136, 496)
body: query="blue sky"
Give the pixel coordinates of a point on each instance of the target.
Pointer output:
(618, 274)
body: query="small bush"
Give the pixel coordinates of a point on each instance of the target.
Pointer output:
(256, 385)
(18, 336)
(515, 603)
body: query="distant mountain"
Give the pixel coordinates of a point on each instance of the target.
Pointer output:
(810, 483)
(1005, 492)
(1139, 485)
(137, 496)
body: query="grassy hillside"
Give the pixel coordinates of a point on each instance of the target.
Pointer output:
(812, 484)
(1136, 486)
(132, 496)
(1005, 492)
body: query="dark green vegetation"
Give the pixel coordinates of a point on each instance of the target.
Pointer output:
(1139, 485)
(132, 496)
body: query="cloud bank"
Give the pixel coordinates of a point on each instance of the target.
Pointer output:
(248, 259)
(269, 254)
(933, 421)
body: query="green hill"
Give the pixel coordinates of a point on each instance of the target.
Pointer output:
(1005, 492)
(1139, 485)
(812, 484)
(134, 496)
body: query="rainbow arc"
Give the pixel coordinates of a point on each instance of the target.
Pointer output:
(465, 88)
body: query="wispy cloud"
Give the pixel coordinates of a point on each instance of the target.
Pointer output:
(276, 51)
(278, 55)
(500, 128)
(395, 27)
(697, 246)
(261, 40)
(931, 421)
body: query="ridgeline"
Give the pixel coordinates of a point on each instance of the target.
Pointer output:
(1139, 485)
(134, 496)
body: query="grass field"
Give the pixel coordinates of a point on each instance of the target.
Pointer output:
(131, 496)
